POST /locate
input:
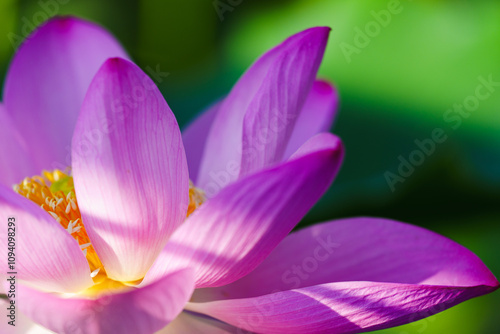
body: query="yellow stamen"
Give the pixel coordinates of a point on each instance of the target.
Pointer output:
(196, 198)
(104, 286)
(55, 193)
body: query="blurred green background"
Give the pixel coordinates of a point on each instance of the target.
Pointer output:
(396, 85)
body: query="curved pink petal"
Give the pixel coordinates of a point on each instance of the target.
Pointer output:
(318, 142)
(256, 119)
(194, 137)
(14, 152)
(143, 310)
(45, 254)
(360, 249)
(343, 307)
(129, 168)
(229, 235)
(22, 323)
(190, 323)
(316, 116)
(47, 81)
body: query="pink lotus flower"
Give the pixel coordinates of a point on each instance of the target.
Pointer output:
(263, 157)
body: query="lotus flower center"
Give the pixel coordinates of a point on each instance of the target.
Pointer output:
(55, 193)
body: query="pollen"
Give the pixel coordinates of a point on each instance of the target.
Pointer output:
(196, 198)
(55, 193)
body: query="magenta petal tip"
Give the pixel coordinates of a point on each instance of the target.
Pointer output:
(315, 34)
(116, 64)
(62, 24)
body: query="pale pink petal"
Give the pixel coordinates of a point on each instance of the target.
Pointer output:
(47, 81)
(316, 116)
(344, 307)
(360, 249)
(230, 234)
(143, 310)
(256, 119)
(46, 256)
(20, 324)
(190, 323)
(194, 137)
(318, 142)
(129, 168)
(14, 152)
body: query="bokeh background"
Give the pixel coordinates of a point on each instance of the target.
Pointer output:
(396, 86)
